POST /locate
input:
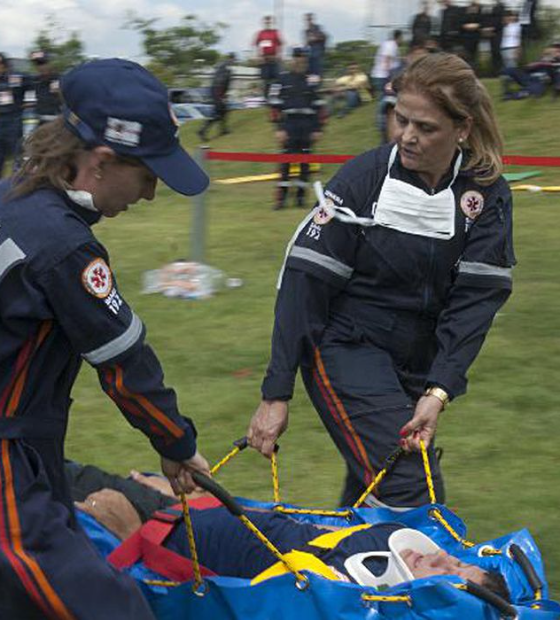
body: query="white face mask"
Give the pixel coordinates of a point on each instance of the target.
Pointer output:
(396, 571)
(409, 209)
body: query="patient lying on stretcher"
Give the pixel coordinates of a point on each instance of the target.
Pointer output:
(380, 555)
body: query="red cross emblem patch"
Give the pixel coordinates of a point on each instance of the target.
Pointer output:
(472, 203)
(97, 278)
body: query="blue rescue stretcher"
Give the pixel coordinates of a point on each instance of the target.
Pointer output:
(306, 595)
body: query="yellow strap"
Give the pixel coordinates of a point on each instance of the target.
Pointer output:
(331, 539)
(226, 458)
(428, 471)
(192, 545)
(299, 561)
(344, 514)
(275, 483)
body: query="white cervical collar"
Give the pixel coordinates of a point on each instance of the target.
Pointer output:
(397, 571)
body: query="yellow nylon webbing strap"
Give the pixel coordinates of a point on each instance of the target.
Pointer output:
(270, 546)
(192, 545)
(436, 514)
(380, 598)
(226, 458)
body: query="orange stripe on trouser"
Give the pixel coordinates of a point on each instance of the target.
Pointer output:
(147, 405)
(344, 420)
(56, 610)
(20, 381)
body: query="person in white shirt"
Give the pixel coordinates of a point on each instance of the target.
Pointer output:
(387, 60)
(511, 40)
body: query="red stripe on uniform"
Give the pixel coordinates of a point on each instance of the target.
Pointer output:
(10, 541)
(341, 417)
(146, 405)
(21, 360)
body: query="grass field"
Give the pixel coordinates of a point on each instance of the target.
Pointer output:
(501, 440)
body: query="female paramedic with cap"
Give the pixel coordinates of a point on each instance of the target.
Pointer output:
(59, 302)
(390, 286)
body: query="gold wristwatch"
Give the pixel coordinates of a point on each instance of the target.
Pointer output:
(440, 394)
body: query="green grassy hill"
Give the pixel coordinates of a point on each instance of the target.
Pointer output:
(501, 440)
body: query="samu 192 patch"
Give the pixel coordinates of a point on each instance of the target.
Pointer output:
(97, 278)
(472, 203)
(324, 214)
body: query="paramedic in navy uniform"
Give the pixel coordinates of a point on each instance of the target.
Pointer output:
(390, 288)
(59, 303)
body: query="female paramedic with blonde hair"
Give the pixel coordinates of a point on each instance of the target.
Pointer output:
(390, 286)
(59, 304)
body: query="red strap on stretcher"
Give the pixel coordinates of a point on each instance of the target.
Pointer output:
(147, 545)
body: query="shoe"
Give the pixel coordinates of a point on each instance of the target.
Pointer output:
(202, 135)
(281, 204)
(225, 132)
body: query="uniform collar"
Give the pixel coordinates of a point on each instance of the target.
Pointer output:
(82, 207)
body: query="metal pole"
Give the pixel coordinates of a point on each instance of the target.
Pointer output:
(198, 228)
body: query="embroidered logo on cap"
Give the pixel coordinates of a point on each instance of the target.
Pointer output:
(97, 278)
(472, 203)
(123, 132)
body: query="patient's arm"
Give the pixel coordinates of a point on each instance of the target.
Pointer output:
(113, 510)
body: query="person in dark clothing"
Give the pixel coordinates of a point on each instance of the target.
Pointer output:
(391, 283)
(218, 91)
(471, 30)
(449, 29)
(59, 304)
(297, 111)
(12, 91)
(47, 88)
(315, 44)
(535, 78)
(493, 26)
(421, 26)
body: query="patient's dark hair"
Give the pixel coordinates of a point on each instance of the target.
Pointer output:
(496, 583)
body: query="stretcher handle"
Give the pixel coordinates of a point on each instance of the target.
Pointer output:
(210, 485)
(241, 443)
(507, 610)
(521, 558)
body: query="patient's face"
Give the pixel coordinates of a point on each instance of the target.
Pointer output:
(440, 563)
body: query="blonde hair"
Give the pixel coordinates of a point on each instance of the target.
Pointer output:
(453, 86)
(49, 159)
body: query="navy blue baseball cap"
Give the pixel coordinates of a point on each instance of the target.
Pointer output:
(118, 103)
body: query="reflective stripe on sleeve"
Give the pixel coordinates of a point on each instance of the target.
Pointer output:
(340, 269)
(10, 255)
(483, 269)
(117, 346)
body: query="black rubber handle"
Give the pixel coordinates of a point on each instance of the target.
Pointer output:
(521, 558)
(209, 484)
(241, 443)
(507, 610)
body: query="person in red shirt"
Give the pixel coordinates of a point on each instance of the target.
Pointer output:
(268, 46)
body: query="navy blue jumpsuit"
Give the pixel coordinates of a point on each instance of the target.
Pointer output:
(59, 303)
(373, 316)
(298, 110)
(225, 546)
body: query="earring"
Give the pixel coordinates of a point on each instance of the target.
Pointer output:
(461, 140)
(97, 174)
